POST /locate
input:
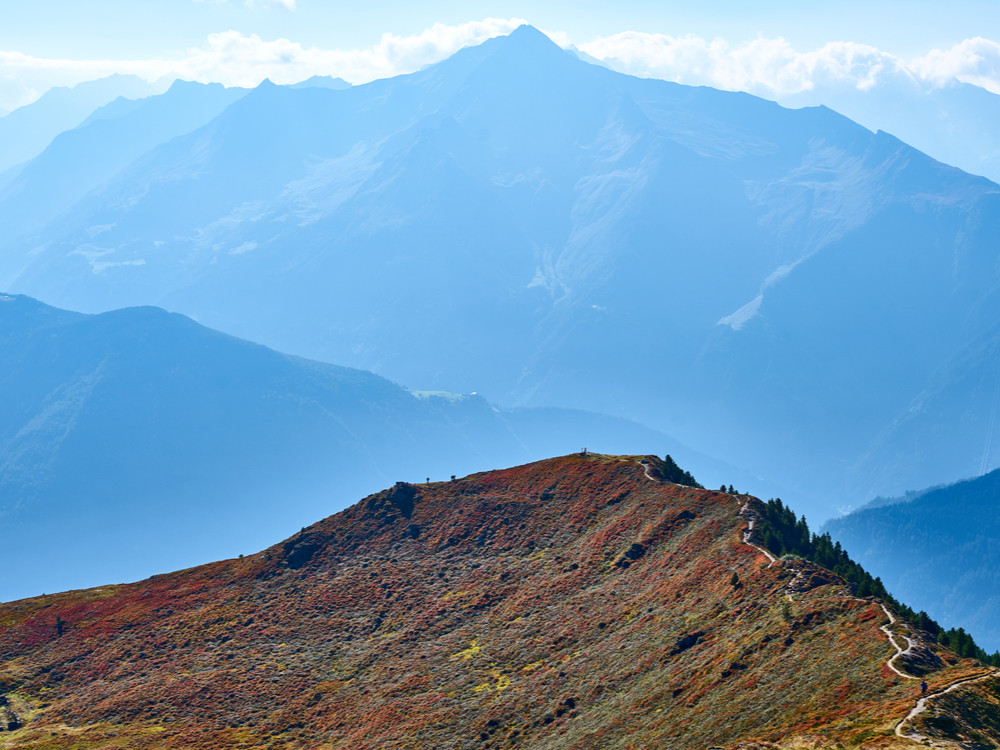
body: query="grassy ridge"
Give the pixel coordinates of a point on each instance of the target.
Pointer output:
(784, 534)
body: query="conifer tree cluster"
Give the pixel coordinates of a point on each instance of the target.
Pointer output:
(782, 533)
(674, 473)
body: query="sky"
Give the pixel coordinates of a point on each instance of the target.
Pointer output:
(727, 43)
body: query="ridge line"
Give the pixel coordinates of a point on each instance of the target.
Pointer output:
(921, 704)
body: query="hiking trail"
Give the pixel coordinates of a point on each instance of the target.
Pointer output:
(911, 643)
(922, 703)
(922, 706)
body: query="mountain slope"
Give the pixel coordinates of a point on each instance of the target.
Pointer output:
(574, 602)
(518, 223)
(25, 132)
(949, 427)
(938, 551)
(137, 441)
(952, 125)
(83, 158)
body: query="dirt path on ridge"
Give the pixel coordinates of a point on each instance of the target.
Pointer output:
(645, 469)
(910, 643)
(922, 706)
(922, 703)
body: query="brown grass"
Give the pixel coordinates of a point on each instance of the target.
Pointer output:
(508, 620)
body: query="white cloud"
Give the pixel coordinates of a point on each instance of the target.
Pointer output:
(975, 61)
(237, 59)
(772, 68)
(763, 66)
(23, 78)
(15, 93)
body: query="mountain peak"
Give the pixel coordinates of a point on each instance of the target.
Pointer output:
(527, 32)
(318, 81)
(179, 85)
(526, 36)
(525, 40)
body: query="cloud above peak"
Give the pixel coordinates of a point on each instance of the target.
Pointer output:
(768, 67)
(975, 61)
(237, 59)
(771, 67)
(762, 66)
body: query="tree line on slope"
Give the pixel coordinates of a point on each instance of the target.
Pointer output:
(784, 534)
(671, 472)
(927, 551)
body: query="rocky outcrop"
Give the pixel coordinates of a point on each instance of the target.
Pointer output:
(9, 720)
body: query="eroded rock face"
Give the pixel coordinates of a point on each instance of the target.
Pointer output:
(810, 576)
(919, 660)
(300, 549)
(403, 496)
(686, 641)
(396, 502)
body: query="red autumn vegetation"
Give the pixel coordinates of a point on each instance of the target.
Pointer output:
(569, 603)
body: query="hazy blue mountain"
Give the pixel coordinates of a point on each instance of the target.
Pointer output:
(950, 428)
(137, 441)
(27, 130)
(939, 550)
(948, 120)
(79, 160)
(777, 286)
(325, 82)
(952, 123)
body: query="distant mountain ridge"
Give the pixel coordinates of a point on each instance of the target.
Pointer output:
(328, 82)
(137, 441)
(938, 550)
(949, 120)
(953, 124)
(573, 602)
(111, 138)
(27, 130)
(781, 287)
